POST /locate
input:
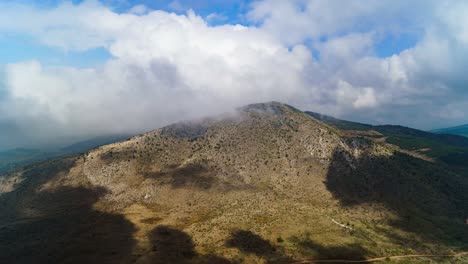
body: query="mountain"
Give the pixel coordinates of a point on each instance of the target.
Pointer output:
(451, 149)
(269, 184)
(14, 158)
(458, 130)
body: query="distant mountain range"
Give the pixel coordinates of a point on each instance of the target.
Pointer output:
(14, 158)
(458, 130)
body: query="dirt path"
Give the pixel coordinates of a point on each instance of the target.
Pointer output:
(381, 258)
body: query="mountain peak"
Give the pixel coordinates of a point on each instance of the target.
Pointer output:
(273, 107)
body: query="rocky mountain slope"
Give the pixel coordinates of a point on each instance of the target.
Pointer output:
(268, 184)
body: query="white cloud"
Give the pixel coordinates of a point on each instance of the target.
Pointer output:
(167, 67)
(366, 99)
(176, 6)
(70, 27)
(357, 97)
(296, 20)
(139, 10)
(215, 17)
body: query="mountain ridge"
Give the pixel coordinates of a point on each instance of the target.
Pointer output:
(461, 130)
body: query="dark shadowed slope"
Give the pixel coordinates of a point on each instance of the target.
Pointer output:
(67, 235)
(429, 201)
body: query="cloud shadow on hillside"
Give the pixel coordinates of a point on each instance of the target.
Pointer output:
(190, 175)
(171, 245)
(430, 201)
(32, 177)
(342, 252)
(248, 242)
(66, 228)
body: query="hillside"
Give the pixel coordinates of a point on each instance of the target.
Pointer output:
(451, 149)
(11, 159)
(269, 184)
(458, 130)
(14, 158)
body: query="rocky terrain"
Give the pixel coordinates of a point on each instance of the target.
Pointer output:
(267, 184)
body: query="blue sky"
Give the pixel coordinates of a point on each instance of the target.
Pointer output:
(19, 47)
(70, 70)
(231, 9)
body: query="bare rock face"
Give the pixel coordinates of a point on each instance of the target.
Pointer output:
(260, 185)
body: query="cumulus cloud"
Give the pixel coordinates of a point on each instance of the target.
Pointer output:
(167, 67)
(176, 6)
(215, 17)
(139, 10)
(298, 20)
